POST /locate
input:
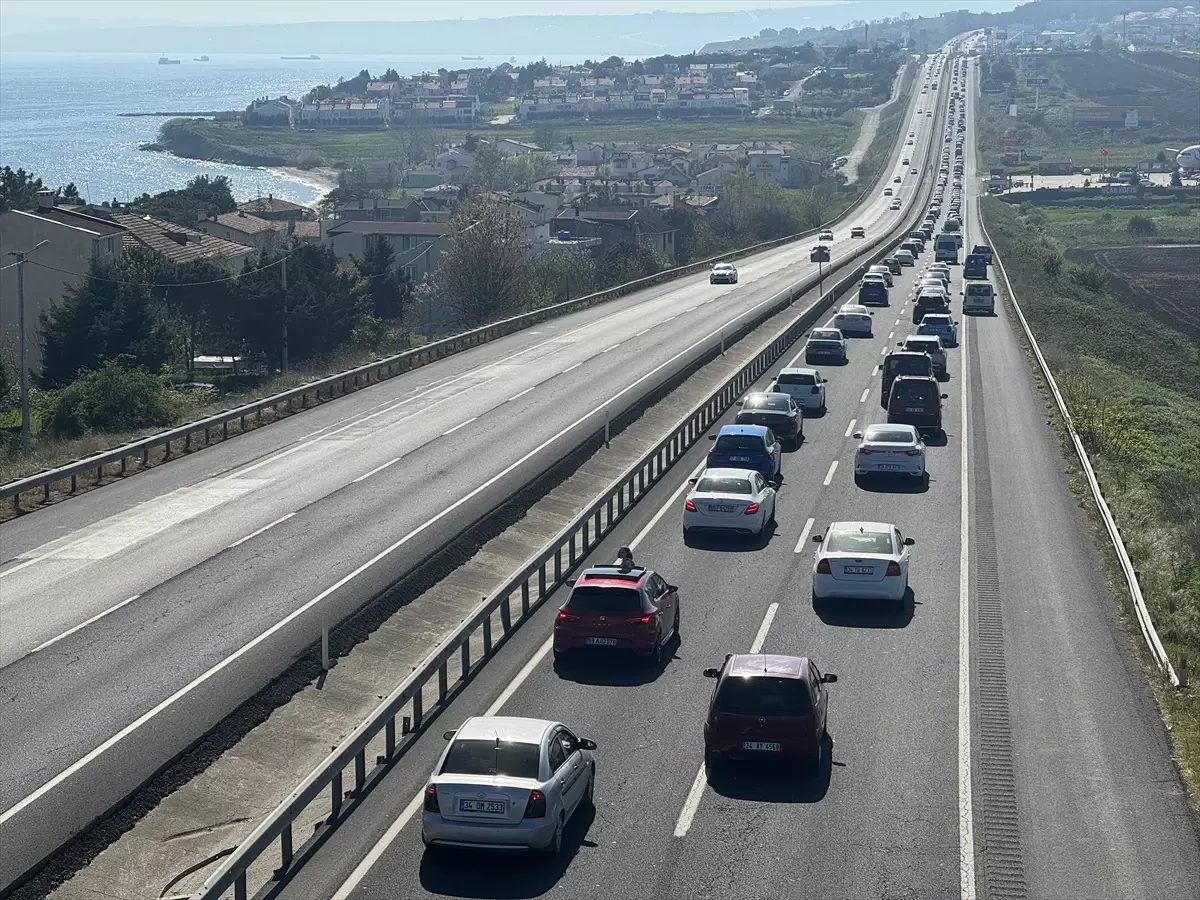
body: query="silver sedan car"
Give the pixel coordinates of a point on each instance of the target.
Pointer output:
(889, 450)
(507, 783)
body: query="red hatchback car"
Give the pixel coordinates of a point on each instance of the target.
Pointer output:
(618, 607)
(767, 708)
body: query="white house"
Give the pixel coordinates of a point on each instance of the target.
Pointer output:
(453, 160)
(278, 111)
(509, 147)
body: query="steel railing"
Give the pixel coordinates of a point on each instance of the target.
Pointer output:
(400, 717)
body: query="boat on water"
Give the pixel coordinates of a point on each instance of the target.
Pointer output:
(200, 58)
(310, 56)
(166, 61)
(472, 57)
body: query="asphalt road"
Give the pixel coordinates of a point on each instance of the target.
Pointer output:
(1048, 776)
(115, 602)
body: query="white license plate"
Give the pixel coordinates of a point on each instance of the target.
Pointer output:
(720, 507)
(739, 459)
(773, 746)
(600, 642)
(483, 806)
(888, 466)
(913, 409)
(859, 570)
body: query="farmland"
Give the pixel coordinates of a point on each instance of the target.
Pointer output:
(1159, 280)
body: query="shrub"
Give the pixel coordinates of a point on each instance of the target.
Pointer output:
(1091, 278)
(112, 398)
(1179, 210)
(1141, 225)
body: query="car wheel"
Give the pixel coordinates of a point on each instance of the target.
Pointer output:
(555, 846)
(654, 657)
(589, 795)
(812, 765)
(821, 408)
(675, 627)
(686, 538)
(559, 655)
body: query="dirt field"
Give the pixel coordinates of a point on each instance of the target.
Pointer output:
(1159, 280)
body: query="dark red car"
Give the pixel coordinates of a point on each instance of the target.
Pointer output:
(767, 708)
(618, 607)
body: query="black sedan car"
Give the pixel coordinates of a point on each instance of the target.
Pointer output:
(775, 411)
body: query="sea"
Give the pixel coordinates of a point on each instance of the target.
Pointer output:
(59, 114)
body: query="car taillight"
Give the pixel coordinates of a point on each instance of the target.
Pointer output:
(751, 508)
(535, 808)
(823, 567)
(912, 452)
(564, 616)
(639, 620)
(690, 506)
(431, 800)
(893, 568)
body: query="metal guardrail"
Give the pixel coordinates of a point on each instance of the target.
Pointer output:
(1110, 523)
(98, 465)
(500, 614)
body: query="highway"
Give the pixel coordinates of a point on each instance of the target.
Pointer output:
(122, 602)
(995, 739)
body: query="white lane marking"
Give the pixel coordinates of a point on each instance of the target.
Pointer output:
(875, 371)
(891, 334)
(640, 333)
(829, 474)
(897, 321)
(398, 825)
(459, 425)
(526, 391)
(883, 349)
(696, 794)
(850, 428)
(966, 825)
(613, 347)
(278, 521)
(689, 309)
(672, 319)
(364, 477)
(863, 398)
(804, 532)
(84, 624)
(572, 368)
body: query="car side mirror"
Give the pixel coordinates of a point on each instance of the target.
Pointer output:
(446, 735)
(571, 582)
(829, 678)
(693, 480)
(817, 538)
(945, 396)
(908, 542)
(712, 673)
(712, 437)
(585, 744)
(858, 434)
(672, 588)
(740, 402)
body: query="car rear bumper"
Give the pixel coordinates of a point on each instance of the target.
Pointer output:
(565, 642)
(917, 420)
(826, 587)
(740, 524)
(790, 751)
(528, 834)
(906, 466)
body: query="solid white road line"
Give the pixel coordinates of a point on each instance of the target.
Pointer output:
(375, 471)
(81, 625)
(393, 831)
(804, 533)
(865, 393)
(850, 428)
(459, 425)
(571, 368)
(696, 794)
(271, 525)
(529, 390)
(829, 474)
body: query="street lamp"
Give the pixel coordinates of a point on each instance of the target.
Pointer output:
(22, 257)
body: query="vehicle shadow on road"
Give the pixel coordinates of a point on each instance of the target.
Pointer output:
(937, 438)
(867, 613)
(888, 484)
(504, 876)
(614, 669)
(773, 784)
(732, 543)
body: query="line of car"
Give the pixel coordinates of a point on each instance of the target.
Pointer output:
(506, 782)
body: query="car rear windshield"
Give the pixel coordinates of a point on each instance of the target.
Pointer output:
(601, 599)
(859, 542)
(889, 436)
(825, 334)
(714, 485)
(786, 378)
(912, 392)
(738, 443)
(908, 365)
(763, 695)
(919, 346)
(775, 404)
(492, 757)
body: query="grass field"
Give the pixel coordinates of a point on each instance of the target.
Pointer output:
(1098, 227)
(1130, 371)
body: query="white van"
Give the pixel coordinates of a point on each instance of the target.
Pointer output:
(979, 297)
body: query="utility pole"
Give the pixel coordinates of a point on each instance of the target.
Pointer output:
(284, 354)
(22, 257)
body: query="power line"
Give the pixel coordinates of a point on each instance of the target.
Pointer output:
(161, 284)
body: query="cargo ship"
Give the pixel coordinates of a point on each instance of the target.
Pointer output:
(310, 56)
(164, 61)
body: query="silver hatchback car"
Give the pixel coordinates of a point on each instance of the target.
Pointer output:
(507, 783)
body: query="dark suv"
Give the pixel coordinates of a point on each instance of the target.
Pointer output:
(902, 363)
(916, 401)
(618, 607)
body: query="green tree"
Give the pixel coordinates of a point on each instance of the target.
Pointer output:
(1097, 43)
(483, 274)
(381, 283)
(18, 189)
(390, 75)
(200, 198)
(1176, 179)
(547, 135)
(471, 142)
(198, 303)
(561, 274)
(111, 314)
(488, 169)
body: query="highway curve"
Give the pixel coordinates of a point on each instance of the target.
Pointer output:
(118, 600)
(1048, 776)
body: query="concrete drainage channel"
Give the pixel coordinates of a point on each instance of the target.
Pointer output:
(163, 856)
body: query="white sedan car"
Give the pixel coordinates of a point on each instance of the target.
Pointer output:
(861, 560)
(723, 273)
(825, 236)
(890, 450)
(905, 257)
(805, 386)
(853, 318)
(505, 782)
(729, 500)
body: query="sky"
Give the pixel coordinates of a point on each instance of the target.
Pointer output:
(21, 16)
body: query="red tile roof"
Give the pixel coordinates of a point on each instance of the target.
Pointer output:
(176, 243)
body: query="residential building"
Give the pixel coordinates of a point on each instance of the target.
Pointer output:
(280, 112)
(383, 90)
(710, 183)
(308, 232)
(453, 160)
(183, 245)
(275, 209)
(73, 241)
(782, 168)
(462, 110)
(365, 114)
(381, 209)
(617, 225)
(243, 228)
(509, 147)
(417, 245)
